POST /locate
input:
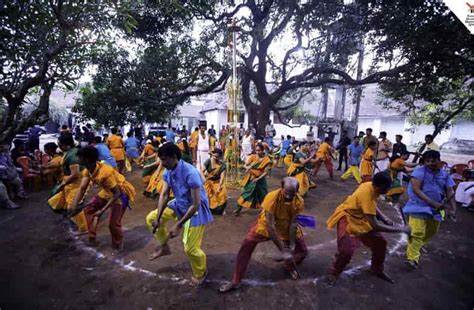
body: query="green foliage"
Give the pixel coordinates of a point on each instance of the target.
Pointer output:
(46, 43)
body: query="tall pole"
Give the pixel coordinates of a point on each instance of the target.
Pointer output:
(233, 165)
(358, 95)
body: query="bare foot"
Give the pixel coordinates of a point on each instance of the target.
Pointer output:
(229, 286)
(294, 274)
(117, 251)
(160, 251)
(196, 282)
(330, 279)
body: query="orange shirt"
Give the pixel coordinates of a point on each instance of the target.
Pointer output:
(362, 202)
(107, 178)
(116, 146)
(283, 211)
(193, 140)
(324, 151)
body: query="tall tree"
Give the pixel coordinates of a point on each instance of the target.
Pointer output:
(43, 43)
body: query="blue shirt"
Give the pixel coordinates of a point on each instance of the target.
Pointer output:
(356, 152)
(170, 135)
(433, 185)
(131, 147)
(105, 155)
(181, 180)
(285, 145)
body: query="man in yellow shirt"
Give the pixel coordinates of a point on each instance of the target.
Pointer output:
(358, 220)
(115, 193)
(324, 155)
(277, 222)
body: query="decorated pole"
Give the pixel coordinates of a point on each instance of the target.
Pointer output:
(233, 175)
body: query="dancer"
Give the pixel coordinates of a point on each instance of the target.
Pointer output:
(64, 193)
(214, 172)
(115, 193)
(324, 155)
(429, 190)
(115, 143)
(254, 182)
(355, 152)
(302, 162)
(277, 222)
(359, 220)
(367, 164)
(398, 164)
(190, 210)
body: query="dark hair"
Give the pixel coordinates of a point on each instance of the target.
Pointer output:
(356, 137)
(169, 150)
(64, 126)
(369, 129)
(401, 137)
(429, 136)
(113, 130)
(361, 132)
(186, 145)
(382, 180)
(327, 139)
(431, 154)
(51, 146)
(288, 137)
(394, 157)
(260, 145)
(383, 133)
(97, 139)
(66, 140)
(129, 134)
(18, 142)
(89, 153)
(404, 153)
(372, 143)
(218, 152)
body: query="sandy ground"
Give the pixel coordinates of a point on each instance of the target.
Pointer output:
(43, 267)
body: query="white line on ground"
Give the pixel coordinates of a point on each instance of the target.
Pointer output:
(250, 282)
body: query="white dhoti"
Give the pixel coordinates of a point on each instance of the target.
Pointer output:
(202, 156)
(382, 165)
(465, 193)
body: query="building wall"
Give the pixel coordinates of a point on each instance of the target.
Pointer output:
(415, 134)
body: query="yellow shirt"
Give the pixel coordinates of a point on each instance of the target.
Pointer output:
(362, 202)
(115, 144)
(108, 178)
(284, 213)
(323, 151)
(193, 140)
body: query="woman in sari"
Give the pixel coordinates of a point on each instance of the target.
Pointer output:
(398, 165)
(254, 182)
(290, 154)
(302, 161)
(148, 158)
(214, 172)
(185, 151)
(52, 170)
(63, 195)
(367, 163)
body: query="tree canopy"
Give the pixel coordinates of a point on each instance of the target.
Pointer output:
(43, 44)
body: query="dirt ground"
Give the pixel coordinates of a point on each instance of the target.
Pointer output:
(43, 267)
